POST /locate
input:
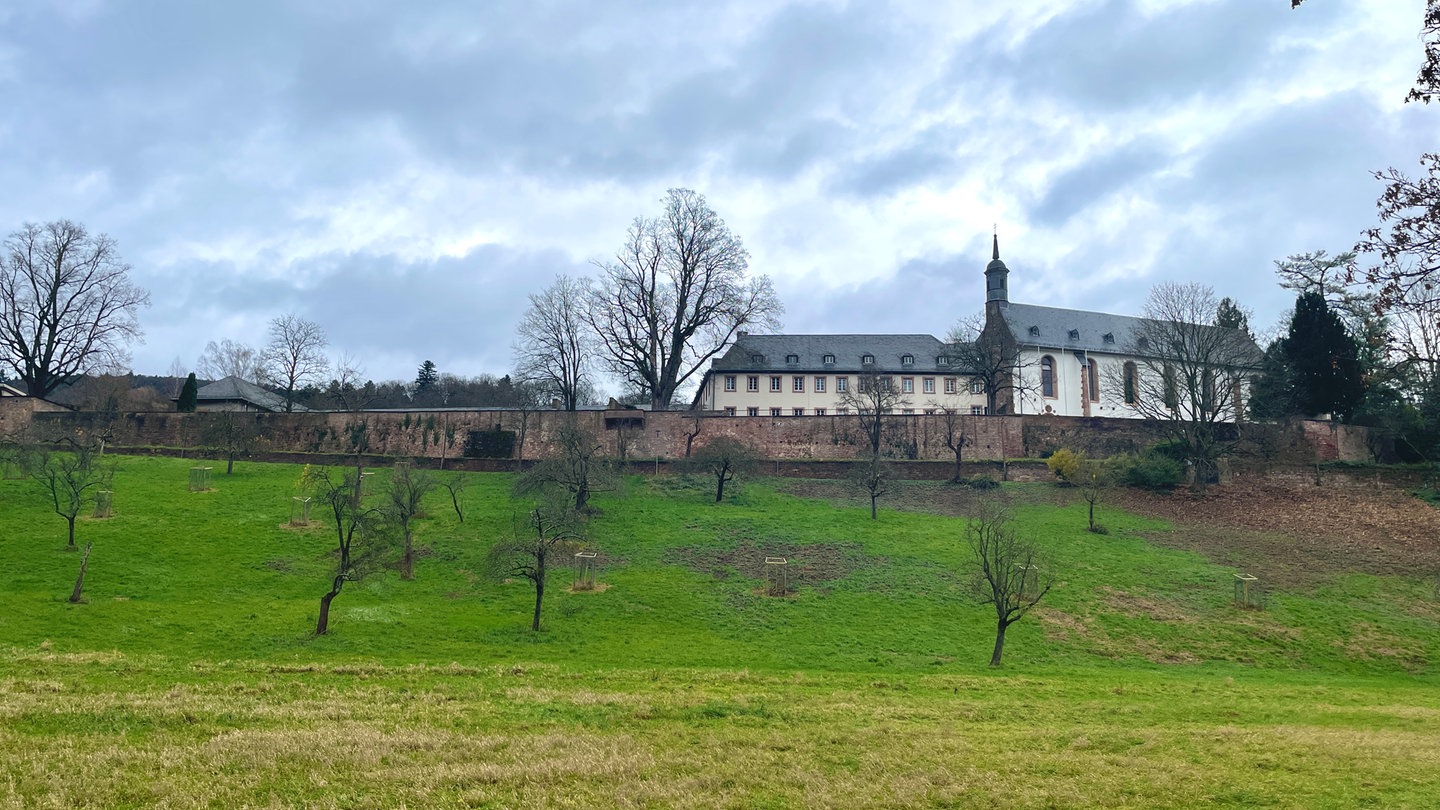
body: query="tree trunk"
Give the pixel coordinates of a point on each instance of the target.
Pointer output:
(1000, 627)
(956, 476)
(872, 505)
(407, 560)
(230, 464)
(539, 596)
(80, 580)
(70, 519)
(322, 625)
(1092, 516)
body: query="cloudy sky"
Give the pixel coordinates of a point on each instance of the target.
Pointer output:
(405, 174)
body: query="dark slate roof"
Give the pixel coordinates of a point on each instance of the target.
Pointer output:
(1075, 330)
(235, 389)
(810, 351)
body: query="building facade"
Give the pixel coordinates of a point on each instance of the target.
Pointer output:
(826, 375)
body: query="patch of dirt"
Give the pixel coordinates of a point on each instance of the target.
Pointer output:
(1297, 535)
(1368, 643)
(804, 564)
(1135, 605)
(1066, 627)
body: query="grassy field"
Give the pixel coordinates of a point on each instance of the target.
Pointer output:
(191, 678)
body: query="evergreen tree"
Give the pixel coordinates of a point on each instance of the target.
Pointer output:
(1232, 315)
(1324, 359)
(426, 378)
(189, 395)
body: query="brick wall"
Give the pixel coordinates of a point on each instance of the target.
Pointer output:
(640, 435)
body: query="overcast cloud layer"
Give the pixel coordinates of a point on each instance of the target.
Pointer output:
(405, 174)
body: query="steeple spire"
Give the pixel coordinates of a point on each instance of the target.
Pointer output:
(996, 257)
(996, 281)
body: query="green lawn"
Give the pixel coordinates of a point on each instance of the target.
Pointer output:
(191, 678)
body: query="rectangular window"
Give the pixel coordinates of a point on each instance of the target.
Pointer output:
(928, 385)
(729, 382)
(774, 411)
(774, 383)
(729, 411)
(843, 411)
(977, 410)
(798, 412)
(797, 384)
(949, 385)
(752, 411)
(907, 385)
(977, 385)
(886, 383)
(908, 411)
(929, 411)
(752, 383)
(842, 385)
(819, 385)
(819, 411)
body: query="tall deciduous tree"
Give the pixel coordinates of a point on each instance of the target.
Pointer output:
(1191, 374)
(873, 402)
(555, 345)
(295, 355)
(67, 305)
(230, 358)
(993, 360)
(675, 294)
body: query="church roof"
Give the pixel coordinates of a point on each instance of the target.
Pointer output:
(1077, 330)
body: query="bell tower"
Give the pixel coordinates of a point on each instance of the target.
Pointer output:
(997, 290)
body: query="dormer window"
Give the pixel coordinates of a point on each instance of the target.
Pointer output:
(828, 359)
(757, 358)
(1143, 343)
(1108, 337)
(867, 359)
(1034, 331)
(942, 360)
(907, 359)
(792, 359)
(1074, 334)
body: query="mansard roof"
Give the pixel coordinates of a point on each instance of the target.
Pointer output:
(773, 353)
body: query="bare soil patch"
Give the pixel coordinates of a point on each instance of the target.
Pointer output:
(1294, 535)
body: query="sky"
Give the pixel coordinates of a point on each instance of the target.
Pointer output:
(406, 174)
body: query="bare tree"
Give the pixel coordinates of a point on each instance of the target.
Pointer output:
(71, 478)
(230, 358)
(952, 433)
(577, 468)
(455, 485)
(295, 355)
(408, 487)
(528, 400)
(875, 477)
(1415, 322)
(993, 360)
(1189, 376)
(67, 305)
(1008, 573)
(724, 458)
(555, 344)
(872, 402)
(1094, 478)
(675, 295)
(551, 536)
(230, 434)
(364, 540)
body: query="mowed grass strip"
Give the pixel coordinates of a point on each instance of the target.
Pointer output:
(256, 734)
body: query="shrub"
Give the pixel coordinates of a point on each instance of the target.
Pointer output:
(1065, 464)
(495, 443)
(1151, 470)
(980, 482)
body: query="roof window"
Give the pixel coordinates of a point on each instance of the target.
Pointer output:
(907, 359)
(757, 358)
(1074, 334)
(792, 359)
(828, 359)
(1108, 337)
(867, 359)
(1034, 331)
(1143, 342)
(942, 360)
